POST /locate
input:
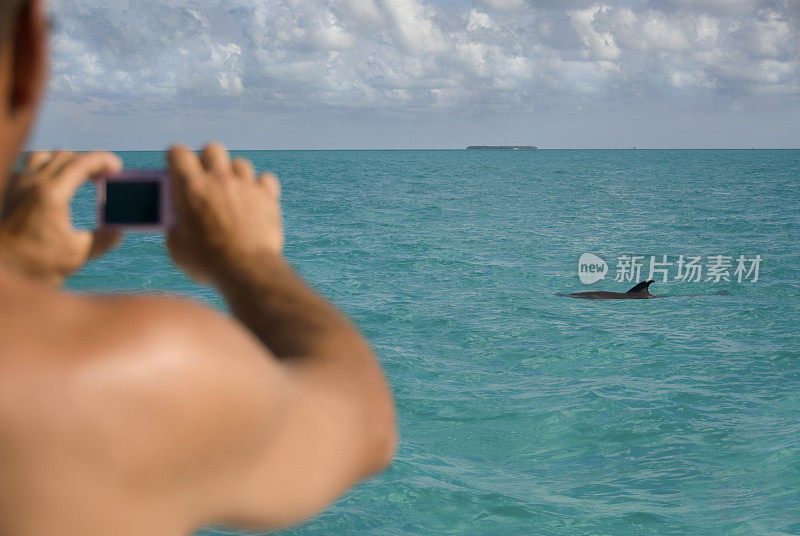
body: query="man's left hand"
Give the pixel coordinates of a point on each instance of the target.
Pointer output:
(36, 233)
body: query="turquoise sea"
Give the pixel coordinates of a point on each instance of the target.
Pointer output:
(527, 413)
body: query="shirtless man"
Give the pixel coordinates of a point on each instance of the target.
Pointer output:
(150, 415)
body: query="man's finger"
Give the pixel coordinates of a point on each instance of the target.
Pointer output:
(183, 163)
(40, 167)
(215, 158)
(82, 168)
(53, 166)
(37, 160)
(244, 168)
(95, 243)
(104, 240)
(271, 183)
(185, 172)
(92, 244)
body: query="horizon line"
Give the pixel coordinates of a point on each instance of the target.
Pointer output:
(27, 150)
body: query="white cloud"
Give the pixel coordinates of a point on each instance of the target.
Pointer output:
(665, 34)
(478, 20)
(415, 26)
(502, 5)
(413, 55)
(599, 45)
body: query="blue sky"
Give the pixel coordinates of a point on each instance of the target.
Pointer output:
(328, 74)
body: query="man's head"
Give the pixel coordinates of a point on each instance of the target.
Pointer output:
(23, 73)
(9, 9)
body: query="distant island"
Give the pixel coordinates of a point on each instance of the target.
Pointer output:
(503, 147)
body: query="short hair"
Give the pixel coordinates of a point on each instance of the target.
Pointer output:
(9, 11)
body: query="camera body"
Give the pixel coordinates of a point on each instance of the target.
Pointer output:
(136, 199)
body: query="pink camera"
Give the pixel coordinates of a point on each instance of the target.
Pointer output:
(135, 200)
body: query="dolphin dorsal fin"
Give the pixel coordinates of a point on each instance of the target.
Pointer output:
(640, 287)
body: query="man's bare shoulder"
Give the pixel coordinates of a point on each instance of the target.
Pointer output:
(42, 326)
(133, 393)
(67, 339)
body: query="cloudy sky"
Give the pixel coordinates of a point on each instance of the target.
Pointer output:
(283, 74)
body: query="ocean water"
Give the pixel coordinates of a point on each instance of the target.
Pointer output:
(527, 413)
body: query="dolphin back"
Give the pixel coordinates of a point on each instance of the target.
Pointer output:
(640, 287)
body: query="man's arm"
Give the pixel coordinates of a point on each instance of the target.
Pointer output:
(335, 425)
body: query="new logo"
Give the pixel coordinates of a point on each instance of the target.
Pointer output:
(591, 268)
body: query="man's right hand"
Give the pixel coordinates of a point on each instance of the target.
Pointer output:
(225, 215)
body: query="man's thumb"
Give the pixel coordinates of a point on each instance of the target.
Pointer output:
(104, 240)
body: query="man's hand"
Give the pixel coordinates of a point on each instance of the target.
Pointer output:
(225, 214)
(36, 233)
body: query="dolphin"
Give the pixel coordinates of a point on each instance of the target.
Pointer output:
(639, 292)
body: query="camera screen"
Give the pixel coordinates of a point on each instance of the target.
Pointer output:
(133, 203)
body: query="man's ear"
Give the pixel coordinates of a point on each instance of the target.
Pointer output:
(29, 71)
